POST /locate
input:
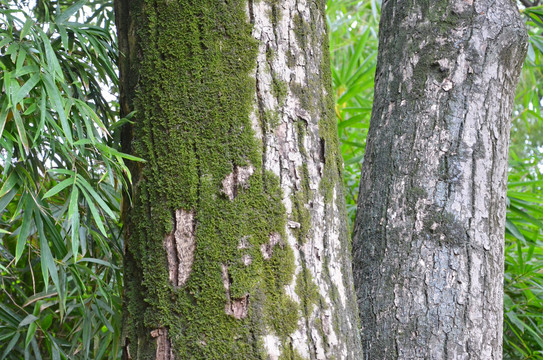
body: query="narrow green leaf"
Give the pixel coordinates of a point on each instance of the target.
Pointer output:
(97, 261)
(514, 230)
(11, 344)
(97, 197)
(75, 232)
(354, 160)
(24, 231)
(62, 171)
(52, 61)
(94, 212)
(41, 125)
(59, 187)
(25, 89)
(3, 115)
(27, 320)
(21, 57)
(21, 129)
(355, 121)
(30, 334)
(62, 18)
(26, 28)
(12, 179)
(56, 99)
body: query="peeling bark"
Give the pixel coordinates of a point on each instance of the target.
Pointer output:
(180, 245)
(164, 349)
(428, 241)
(234, 307)
(235, 179)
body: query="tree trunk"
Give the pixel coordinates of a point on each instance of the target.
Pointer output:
(236, 244)
(429, 234)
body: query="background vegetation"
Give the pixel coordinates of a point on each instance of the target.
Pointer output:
(61, 175)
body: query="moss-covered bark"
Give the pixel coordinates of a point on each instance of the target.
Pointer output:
(208, 258)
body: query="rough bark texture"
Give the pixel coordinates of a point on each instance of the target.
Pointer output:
(428, 243)
(237, 244)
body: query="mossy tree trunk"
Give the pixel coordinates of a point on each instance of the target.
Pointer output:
(429, 234)
(236, 244)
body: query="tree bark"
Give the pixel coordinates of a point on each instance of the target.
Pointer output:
(429, 233)
(236, 244)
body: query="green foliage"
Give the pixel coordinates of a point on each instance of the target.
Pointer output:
(353, 45)
(61, 175)
(523, 303)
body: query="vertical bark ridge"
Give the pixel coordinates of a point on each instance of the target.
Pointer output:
(296, 119)
(428, 241)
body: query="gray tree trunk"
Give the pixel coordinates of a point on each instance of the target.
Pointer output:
(428, 242)
(236, 244)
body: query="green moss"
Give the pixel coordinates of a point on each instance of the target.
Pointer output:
(291, 354)
(307, 291)
(302, 31)
(291, 59)
(279, 90)
(300, 213)
(270, 53)
(193, 129)
(272, 119)
(274, 13)
(333, 162)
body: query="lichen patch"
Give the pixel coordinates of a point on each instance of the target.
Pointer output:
(180, 245)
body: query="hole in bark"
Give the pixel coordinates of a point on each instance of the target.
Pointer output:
(164, 349)
(180, 245)
(238, 177)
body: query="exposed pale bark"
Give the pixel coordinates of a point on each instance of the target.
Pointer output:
(237, 244)
(429, 233)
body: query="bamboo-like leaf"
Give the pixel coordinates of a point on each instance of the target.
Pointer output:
(59, 187)
(25, 89)
(514, 230)
(24, 231)
(11, 344)
(27, 320)
(96, 197)
(11, 181)
(21, 129)
(62, 18)
(30, 333)
(3, 115)
(26, 28)
(75, 231)
(52, 60)
(94, 212)
(56, 99)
